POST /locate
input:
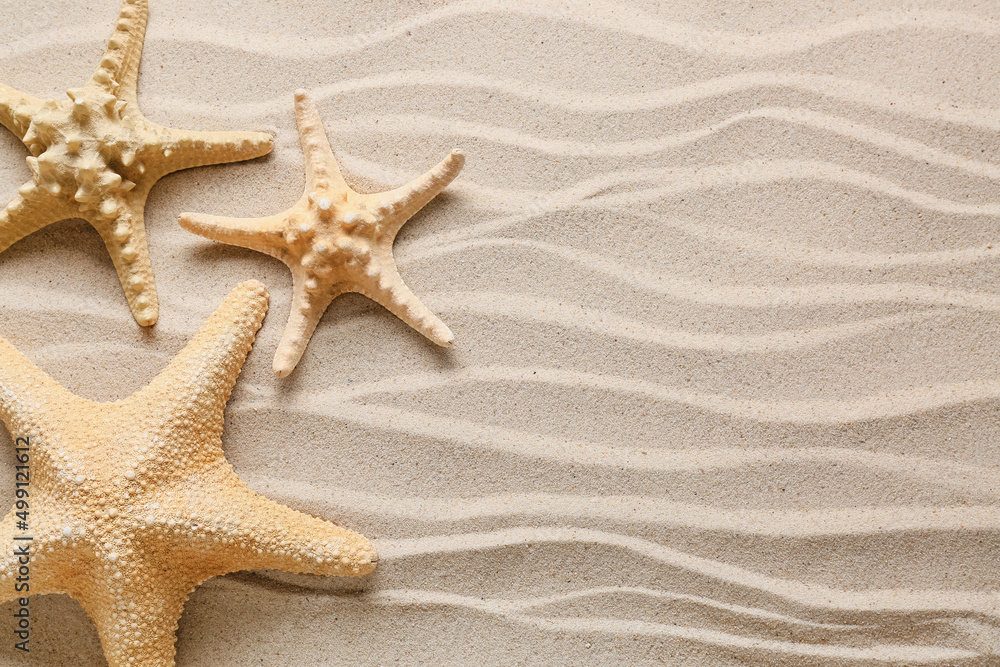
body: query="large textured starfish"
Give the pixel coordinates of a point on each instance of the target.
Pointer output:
(96, 157)
(132, 504)
(335, 240)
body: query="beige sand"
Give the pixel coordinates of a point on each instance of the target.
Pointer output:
(723, 285)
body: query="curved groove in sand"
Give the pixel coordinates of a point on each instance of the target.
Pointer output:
(667, 182)
(883, 405)
(608, 323)
(781, 248)
(681, 180)
(599, 192)
(514, 612)
(860, 93)
(558, 509)
(736, 296)
(817, 597)
(605, 16)
(532, 604)
(562, 200)
(936, 472)
(822, 257)
(868, 134)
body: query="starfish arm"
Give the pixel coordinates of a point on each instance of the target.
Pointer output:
(388, 289)
(261, 234)
(29, 397)
(188, 397)
(238, 529)
(137, 619)
(125, 238)
(402, 203)
(16, 109)
(306, 312)
(118, 72)
(28, 212)
(319, 159)
(184, 149)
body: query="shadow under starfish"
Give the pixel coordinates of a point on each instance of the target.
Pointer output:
(94, 156)
(133, 504)
(335, 240)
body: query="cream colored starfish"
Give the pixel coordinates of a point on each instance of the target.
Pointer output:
(132, 504)
(335, 240)
(94, 156)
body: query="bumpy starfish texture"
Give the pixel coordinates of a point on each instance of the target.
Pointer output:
(335, 240)
(94, 156)
(132, 504)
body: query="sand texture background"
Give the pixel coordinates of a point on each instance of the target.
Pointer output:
(724, 284)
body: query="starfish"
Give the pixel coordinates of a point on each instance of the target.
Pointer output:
(132, 504)
(335, 240)
(94, 156)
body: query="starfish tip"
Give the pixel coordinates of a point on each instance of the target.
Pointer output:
(301, 94)
(187, 221)
(147, 316)
(254, 290)
(443, 337)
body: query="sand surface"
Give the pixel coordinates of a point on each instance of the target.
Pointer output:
(724, 285)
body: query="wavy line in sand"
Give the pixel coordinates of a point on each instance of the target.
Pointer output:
(608, 323)
(734, 296)
(938, 473)
(674, 181)
(598, 191)
(572, 198)
(796, 524)
(883, 405)
(817, 597)
(860, 93)
(593, 191)
(682, 180)
(430, 125)
(780, 248)
(514, 611)
(613, 17)
(530, 604)
(622, 19)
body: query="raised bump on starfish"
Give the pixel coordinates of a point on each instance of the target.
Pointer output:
(96, 157)
(335, 240)
(133, 503)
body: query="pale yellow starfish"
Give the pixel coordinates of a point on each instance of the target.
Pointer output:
(132, 504)
(335, 240)
(94, 156)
